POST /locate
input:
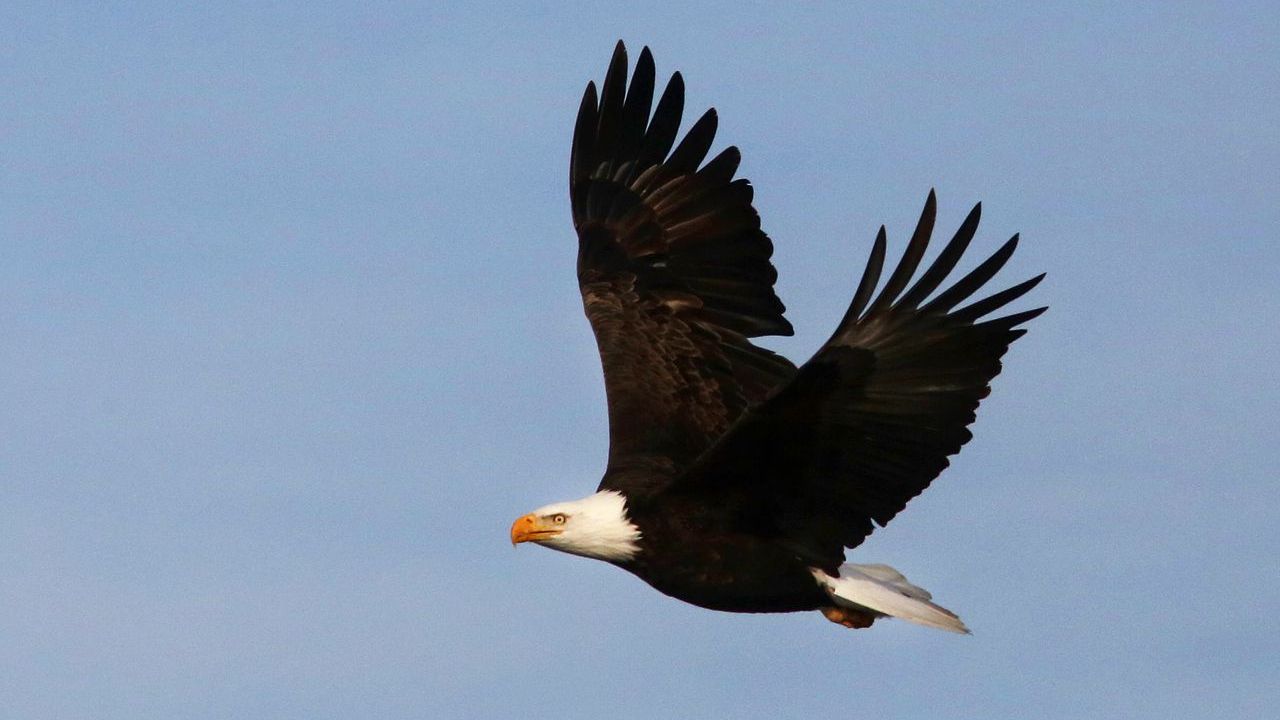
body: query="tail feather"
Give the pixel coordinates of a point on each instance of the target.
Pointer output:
(884, 591)
(895, 579)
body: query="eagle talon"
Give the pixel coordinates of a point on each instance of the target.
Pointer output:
(852, 619)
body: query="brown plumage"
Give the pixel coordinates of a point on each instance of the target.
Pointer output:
(674, 272)
(743, 475)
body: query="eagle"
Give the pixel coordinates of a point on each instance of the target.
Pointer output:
(736, 480)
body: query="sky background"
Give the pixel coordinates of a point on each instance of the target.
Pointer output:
(289, 334)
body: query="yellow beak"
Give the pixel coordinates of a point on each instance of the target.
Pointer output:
(531, 527)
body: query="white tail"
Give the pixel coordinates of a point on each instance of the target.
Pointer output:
(884, 591)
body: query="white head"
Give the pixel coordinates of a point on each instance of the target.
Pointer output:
(595, 526)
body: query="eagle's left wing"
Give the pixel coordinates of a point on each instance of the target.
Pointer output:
(871, 419)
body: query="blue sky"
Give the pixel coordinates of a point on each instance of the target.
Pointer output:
(289, 335)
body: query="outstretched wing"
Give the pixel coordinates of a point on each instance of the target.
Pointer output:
(871, 419)
(675, 276)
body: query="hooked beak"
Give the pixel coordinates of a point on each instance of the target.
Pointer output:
(531, 528)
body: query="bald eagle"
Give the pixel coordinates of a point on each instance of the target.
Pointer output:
(735, 480)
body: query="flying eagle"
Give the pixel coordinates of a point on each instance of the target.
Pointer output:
(736, 480)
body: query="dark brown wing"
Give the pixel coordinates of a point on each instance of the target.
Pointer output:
(675, 276)
(871, 419)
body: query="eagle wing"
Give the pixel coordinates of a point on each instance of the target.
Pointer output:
(867, 423)
(674, 273)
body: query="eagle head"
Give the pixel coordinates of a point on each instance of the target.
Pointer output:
(596, 526)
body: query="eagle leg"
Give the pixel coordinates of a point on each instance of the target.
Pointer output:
(852, 619)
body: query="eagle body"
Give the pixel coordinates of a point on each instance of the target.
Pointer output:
(688, 552)
(735, 479)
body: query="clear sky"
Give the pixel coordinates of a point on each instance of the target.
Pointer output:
(289, 334)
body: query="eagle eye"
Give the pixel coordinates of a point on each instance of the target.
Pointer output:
(558, 518)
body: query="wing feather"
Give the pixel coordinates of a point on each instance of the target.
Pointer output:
(911, 258)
